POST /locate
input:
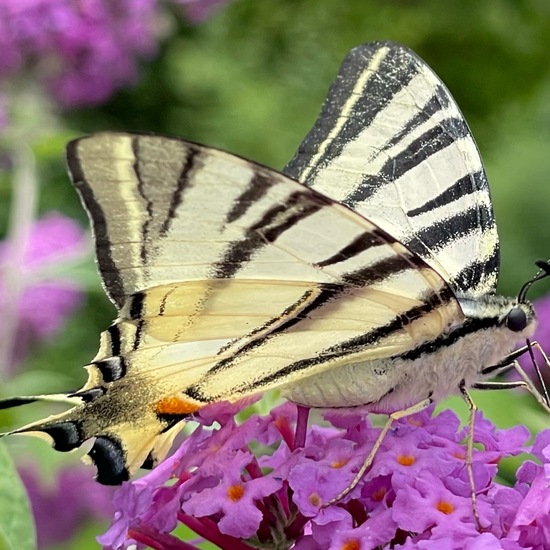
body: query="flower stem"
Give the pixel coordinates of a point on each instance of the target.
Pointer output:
(208, 530)
(158, 541)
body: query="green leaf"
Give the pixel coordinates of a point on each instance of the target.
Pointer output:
(16, 524)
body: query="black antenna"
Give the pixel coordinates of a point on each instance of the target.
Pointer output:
(542, 273)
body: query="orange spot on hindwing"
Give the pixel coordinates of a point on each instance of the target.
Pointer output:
(175, 406)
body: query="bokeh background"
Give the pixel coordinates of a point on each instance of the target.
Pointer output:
(248, 76)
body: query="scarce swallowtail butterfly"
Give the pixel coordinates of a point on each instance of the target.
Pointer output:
(364, 274)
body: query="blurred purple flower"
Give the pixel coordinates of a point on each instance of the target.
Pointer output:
(47, 297)
(542, 333)
(415, 495)
(542, 336)
(84, 50)
(74, 496)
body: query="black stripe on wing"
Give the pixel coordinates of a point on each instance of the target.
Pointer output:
(367, 276)
(191, 162)
(109, 271)
(439, 101)
(446, 340)
(368, 339)
(469, 184)
(431, 142)
(275, 221)
(142, 191)
(442, 232)
(477, 270)
(341, 350)
(360, 244)
(257, 188)
(291, 314)
(155, 214)
(388, 103)
(389, 76)
(160, 213)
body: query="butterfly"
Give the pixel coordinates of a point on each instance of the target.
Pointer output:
(364, 275)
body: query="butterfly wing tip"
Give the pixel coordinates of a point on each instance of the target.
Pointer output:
(68, 398)
(109, 457)
(11, 402)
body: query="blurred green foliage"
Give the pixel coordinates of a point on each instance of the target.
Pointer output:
(251, 79)
(16, 532)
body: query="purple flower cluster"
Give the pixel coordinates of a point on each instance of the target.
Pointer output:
(415, 495)
(52, 241)
(82, 51)
(74, 496)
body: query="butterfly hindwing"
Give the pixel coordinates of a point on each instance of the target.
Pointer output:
(392, 144)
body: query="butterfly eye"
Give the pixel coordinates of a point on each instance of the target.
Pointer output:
(516, 320)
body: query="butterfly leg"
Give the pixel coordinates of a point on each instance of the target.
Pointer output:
(492, 385)
(397, 415)
(472, 407)
(545, 395)
(524, 383)
(508, 363)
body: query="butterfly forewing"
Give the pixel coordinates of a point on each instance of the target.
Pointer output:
(392, 144)
(241, 260)
(230, 279)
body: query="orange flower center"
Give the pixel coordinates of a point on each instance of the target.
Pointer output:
(351, 544)
(339, 463)
(235, 492)
(315, 499)
(405, 460)
(414, 422)
(445, 507)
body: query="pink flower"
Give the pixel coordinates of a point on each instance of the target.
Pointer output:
(415, 495)
(83, 51)
(47, 297)
(74, 496)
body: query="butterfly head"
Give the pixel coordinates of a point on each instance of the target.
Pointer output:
(507, 315)
(515, 314)
(520, 317)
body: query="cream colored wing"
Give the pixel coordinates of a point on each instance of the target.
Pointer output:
(230, 279)
(391, 143)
